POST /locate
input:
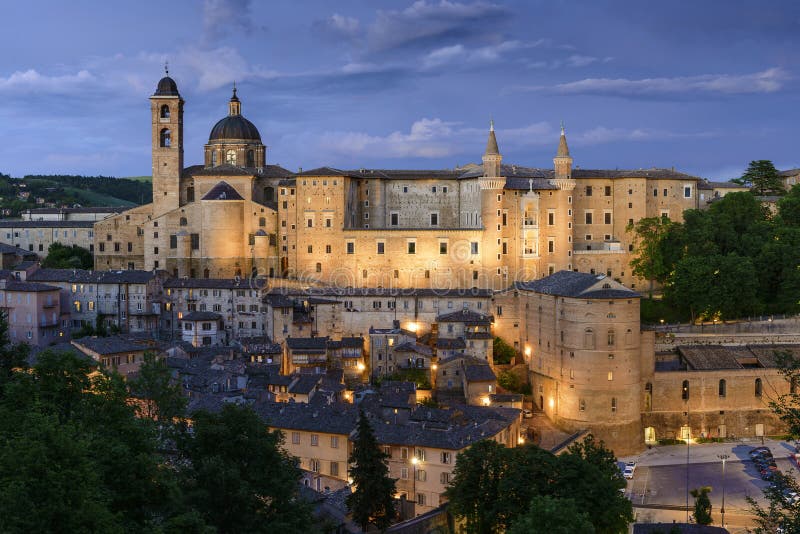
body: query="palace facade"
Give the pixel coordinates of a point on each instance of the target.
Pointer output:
(483, 226)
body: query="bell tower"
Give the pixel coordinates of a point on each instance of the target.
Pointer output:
(491, 185)
(166, 109)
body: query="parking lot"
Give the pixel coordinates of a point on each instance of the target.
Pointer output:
(661, 474)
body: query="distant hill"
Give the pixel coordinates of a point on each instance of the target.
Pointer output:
(36, 191)
(148, 179)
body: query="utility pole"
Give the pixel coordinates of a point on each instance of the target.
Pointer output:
(723, 457)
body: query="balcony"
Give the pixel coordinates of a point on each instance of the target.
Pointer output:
(529, 224)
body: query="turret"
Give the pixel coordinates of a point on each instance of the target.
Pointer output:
(491, 158)
(562, 164)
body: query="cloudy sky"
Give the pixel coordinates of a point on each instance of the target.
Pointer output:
(704, 86)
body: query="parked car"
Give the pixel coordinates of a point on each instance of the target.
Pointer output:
(630, 469)
(527, 414)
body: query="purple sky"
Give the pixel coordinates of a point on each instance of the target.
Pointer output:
(704, 86)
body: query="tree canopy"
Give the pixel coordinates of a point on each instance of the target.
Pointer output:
(732, 260)
(63, 257)
(497, 489)
(763, 178)
(77, 458)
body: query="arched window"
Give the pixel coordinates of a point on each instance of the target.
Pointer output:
(611, 338)
(723, 387)
(183, 221)
(213, 158)
(685, 390)
(758, 387)
(269, 194)
(230, 157)
(251, 159)
(613, 405)
(206, 273)
(165, 138)
(165, 111)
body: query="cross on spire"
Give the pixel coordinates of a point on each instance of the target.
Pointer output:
(166, 67)
(491, 124)
(562, 126)
(234, 88)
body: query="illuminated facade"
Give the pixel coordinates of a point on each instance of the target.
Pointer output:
(481, 226)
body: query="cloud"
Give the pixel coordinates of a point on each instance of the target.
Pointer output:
(458, 53)
(424, 23)
(427, 138)
(224, 17)
(33, 81)
(601, 135)
(339, 27)
(766, 81)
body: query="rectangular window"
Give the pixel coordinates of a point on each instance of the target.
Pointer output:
(551, 218)
(588, 216)
(608, 190)
(445, 457)
(351, 248)
(381, 246)
(687, 191)
(296, 438)
(195, 238)
(314, 440)
(173, 241)
(443, 247)
(434, 219)
(607, 218)
(588, 190)
(394, 219)
(473, 247)
(412, 247)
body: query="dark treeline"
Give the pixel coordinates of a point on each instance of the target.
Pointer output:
(138, 192)
(736, 259)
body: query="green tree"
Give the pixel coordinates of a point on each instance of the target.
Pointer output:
(549, 515)
(237, 475)
(720, 287)
(588, 474)
(702, 505)
(789, 207)
(509, 381)
(763, 178)
(64, 257)
(503, 353)
(160, 399)
(531, 474)
(649, 262)
(474, 494)
(372, 502)
(12, 355)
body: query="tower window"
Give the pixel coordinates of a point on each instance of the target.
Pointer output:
(164, 140)
(685, 390)
(251, 159)
(758, 387)
(165, 111)
(723, 389)
(230, 157)
(183, 221)
(213, 158)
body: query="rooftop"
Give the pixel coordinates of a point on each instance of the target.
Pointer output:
(578, 285)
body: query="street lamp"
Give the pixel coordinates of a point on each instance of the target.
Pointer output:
(723, 457)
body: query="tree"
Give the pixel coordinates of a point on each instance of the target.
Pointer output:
(789, 207)
(503, 353)
(702, 505)
(474, 493)
(237, 475)
(159, 398)
(589, 475)
(549, 515)
(64, 257)
(372, 501)
(649, 262)
(763, 178)
(13, 356)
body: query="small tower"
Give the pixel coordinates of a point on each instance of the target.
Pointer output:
(563, 161)
(492, 208)
(166, 110)
(491, 158)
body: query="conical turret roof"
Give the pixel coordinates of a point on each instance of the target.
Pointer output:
(563, 149)
(491, 143)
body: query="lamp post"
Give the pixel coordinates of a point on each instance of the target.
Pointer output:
(723, 457)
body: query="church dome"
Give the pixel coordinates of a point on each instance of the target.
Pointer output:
(167, 87)
(234, 127)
